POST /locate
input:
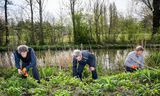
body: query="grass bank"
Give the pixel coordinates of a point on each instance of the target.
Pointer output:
(81, 46)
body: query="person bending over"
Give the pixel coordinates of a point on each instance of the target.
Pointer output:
(80, 59)
(28, 58)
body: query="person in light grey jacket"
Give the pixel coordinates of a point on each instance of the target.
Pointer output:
(135, 60)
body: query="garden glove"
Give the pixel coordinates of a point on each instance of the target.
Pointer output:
(24, 71)
(134, 67)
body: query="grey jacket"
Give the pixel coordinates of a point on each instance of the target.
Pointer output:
(133, 59)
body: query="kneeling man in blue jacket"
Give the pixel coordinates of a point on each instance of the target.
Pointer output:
(80, 59)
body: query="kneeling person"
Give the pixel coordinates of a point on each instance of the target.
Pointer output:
(80, 59)
(28, 58)
(135, 59)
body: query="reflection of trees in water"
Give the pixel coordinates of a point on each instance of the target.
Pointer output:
(6, 60)
(112, 59)
(119, 58)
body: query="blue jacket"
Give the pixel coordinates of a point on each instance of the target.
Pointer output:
(30, 60)
(87, 58)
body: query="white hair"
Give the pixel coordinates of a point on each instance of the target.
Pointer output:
(77, 52)
(139, 48)
(22, 48)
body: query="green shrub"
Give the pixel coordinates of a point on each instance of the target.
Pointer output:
(153, 59)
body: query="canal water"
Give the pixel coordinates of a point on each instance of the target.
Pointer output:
(105, 58)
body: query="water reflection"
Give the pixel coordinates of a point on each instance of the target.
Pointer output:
(111, 59)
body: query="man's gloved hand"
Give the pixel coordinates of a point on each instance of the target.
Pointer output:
(25, 73)
(19, 71)
(134, 67)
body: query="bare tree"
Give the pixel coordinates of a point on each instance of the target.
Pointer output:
(154, 7)
(90, 20)
(98, 6)
(32, 34)
(6, 22)
(110, 18)
(61, 16)
(105, 21)
(72, 9)
(148, 3)
(1, 31)
(40, 3)
(113, 20)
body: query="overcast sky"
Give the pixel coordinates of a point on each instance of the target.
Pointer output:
(52, 6)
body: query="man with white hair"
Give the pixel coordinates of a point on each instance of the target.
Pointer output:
(28, 58)
(82, 58)
(135, 60)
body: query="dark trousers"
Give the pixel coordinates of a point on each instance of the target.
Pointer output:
(128, 69)
(80, 70)
(35, 72)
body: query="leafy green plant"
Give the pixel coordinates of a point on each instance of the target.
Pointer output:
(141, 83)
(62, 93)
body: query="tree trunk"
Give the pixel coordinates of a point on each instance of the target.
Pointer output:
(1, 31)
(105, 22)
(40, 23)
(156, 16)
(6, 23)
(72, 7)
(32, 34)
(90, 31)
(110, 21)
(97, 14)
(97, 30)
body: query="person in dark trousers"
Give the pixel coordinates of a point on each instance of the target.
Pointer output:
(80, 59)
(28, 58)
(135, 60)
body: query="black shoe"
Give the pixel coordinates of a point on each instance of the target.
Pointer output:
(81, 79)
(38, 81)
